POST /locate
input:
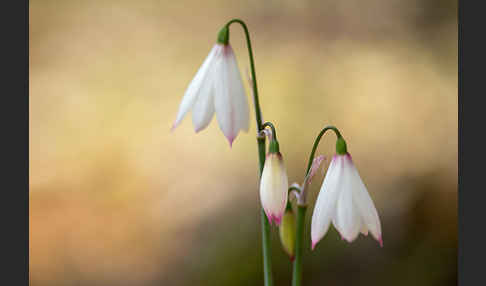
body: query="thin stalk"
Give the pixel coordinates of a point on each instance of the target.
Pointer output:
(302, 207)
(299, 249)
(266, 243)
(272, 127)
(292, 188)
(316, 143)
(258, 113)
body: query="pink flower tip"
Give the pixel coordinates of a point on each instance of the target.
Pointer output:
(230, 140)
(380, 240)
(174, 125)
(273, 219)
(277, 220)
(313, 245)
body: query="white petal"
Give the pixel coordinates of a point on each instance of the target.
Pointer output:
(347, 220)
(274, 188)
(324, 208)
(364, 229)
(203, 109)
(230, 100)
(198, 83)
(364, 203)
(238, 92)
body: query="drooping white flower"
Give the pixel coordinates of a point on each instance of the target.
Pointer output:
(274, 187)
(217, 87)
(344, 201)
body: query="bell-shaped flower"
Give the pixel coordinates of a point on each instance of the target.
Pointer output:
(217, 87)
(274, 185)
(344, 201)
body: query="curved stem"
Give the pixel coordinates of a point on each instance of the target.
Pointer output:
(316, 143)
(266, 243)
(302, 207)
(258, 112)
(292, 188)
(269, 124)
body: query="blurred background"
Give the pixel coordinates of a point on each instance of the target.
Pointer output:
(117, 199)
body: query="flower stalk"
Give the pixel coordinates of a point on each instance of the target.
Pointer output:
(266, 243)
(299, 245)
(301, 210)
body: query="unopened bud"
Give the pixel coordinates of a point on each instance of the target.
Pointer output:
(274, 187)
(287, 233)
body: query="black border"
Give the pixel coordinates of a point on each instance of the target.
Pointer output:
(471, 122)
(15, 115)
(15, 130)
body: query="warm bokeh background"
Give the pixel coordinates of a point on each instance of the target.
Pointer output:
(116, 199)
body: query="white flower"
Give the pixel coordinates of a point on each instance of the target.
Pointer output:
(344, 200)
(217, 86)
(274, 187)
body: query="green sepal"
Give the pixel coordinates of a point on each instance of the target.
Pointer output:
(341, 148)
(273, 147)
(223, 36)
(289, 206)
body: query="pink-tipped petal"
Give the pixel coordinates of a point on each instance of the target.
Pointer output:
(231, 104)
(313, 244)
(270, 217)
(174, 125)
(364, 204)
(347, 220)
(325, 206)
(230, 140)
(277, 219)
(199, 89)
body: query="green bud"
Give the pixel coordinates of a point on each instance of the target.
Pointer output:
(223, 36)
(287, 232)
(273, 147)
(341, 148)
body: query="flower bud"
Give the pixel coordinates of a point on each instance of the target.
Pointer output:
(287, 232)
(274, 185)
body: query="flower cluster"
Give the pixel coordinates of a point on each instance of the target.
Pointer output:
(343, 199)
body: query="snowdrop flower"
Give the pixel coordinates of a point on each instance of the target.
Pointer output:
(217, 87)
(274, 185)
(344, 200)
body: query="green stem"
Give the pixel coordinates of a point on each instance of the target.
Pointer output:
(299, 236)
(294, 189)
(266, 243)
(316, 143)
(258, 112)
(299, 239)
(274, 133)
